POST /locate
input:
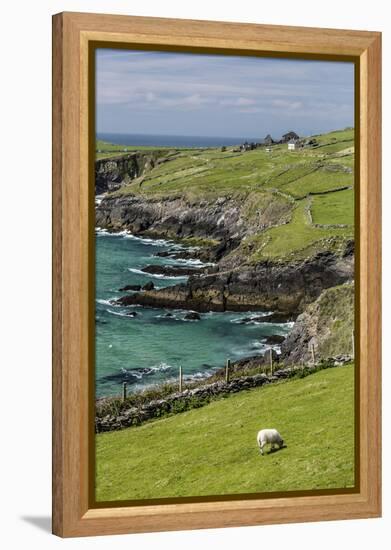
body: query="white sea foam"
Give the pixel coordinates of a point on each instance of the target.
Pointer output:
(254, 319)
(168, 317)
(178, 316)
(161, 367)
(251, 318)
(106, 233)
(189, 320)
(289, 324)
(189, 261)
(121, 313)
(257, 344)
(156, 275)
(147, 371)
(199, 375)
(147, 240)
(107, 302)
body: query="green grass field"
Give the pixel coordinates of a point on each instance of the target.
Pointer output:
(212, 172)
(341, 205)
(295, 239)
(213, 450)
(270, 186)
(104, 149)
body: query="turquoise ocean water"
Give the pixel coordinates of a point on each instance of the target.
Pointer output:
(150, 347)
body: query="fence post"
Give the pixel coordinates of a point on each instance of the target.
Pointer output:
(180, 379)
(353, 346)
(227, 368)
(124, 386)
(271, 361)
(313, 354)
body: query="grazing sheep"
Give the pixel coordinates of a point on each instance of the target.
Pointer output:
(270, 436)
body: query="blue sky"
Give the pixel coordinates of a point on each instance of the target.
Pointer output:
(213, 95)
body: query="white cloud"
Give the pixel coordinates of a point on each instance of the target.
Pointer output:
(286, 104)
(250, 110)
(140, 84)
(238, 102)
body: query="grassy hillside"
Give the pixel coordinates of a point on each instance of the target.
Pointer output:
(104, 149)
(297, 237)
(213, 172)
(328, 323)
(333, 313)
(213, 450)
(297, 191)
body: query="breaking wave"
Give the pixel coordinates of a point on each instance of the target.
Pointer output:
(156, 275)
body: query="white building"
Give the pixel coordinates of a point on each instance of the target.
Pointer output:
(292, 145)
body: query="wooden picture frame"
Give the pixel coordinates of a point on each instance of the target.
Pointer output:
(73, 392)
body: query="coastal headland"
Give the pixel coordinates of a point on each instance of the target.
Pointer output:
(273, 228)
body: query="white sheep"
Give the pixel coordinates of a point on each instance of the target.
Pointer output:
(270, 436)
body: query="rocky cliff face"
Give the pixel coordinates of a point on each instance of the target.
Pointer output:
(233, 283)
(112, 173)
(175, 217)
(326, 324)
(286, 288)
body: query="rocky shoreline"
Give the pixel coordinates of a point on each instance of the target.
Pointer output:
(286, 287)
(283, 288)
(232, 283)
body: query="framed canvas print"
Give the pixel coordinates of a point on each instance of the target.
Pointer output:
(216, 296)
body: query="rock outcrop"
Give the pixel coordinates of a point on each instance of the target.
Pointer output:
(224, 219)
(113, 172)
(326, 324)
(285, 288)
(233, 283)
(172, 270)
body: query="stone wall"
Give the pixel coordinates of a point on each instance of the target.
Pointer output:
(188, 399)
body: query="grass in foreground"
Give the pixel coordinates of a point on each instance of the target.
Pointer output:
(213, 450)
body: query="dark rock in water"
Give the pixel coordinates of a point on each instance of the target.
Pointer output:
(171, 271)
(165, 253)
(271, 318)
(148, 286)
(274, 339)
(203, 254)
(249, 320)
(169, 315)
(192, 316)
(285, 289)
(131, 376)
(132, 314)
(277, 318)
(130, 287)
